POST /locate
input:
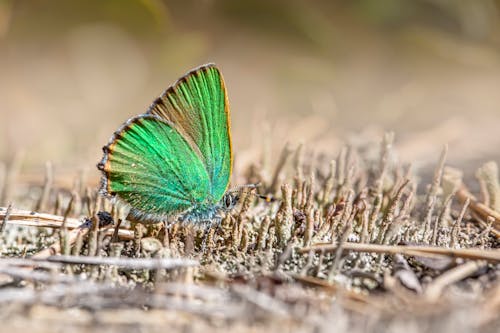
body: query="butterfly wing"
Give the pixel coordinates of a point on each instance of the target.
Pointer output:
(198, 106)
(152, 167)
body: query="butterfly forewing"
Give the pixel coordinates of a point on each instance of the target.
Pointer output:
(197, 105)
(152, 167)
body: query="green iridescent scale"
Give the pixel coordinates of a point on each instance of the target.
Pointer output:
(176, 158)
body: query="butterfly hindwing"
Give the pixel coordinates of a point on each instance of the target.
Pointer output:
(198, 106)
(152, 167)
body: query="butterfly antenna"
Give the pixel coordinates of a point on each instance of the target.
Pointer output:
(250, 186)
(267, 198)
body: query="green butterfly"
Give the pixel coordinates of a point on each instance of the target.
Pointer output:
(176, 159)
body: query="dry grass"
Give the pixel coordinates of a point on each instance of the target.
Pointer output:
(397, 255)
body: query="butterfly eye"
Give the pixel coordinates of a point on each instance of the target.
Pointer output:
(228, 201)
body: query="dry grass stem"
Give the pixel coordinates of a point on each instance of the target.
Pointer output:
(47, 186)
(275, 180)
(129, 263)
(419, 251)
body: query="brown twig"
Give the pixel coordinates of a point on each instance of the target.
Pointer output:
(435, 289)
(42, 220)
(29, 218)
(480, 209)
(420, 251)
(455, 230)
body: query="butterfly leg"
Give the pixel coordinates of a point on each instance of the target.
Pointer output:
(206, 234)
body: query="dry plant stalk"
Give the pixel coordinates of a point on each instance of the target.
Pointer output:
(329, 184)
(488, 175)
(338, 253)
(309, 227)
(71, 239)
(285, 154)
(442, 216)
(47, 186)
(390, 214)
(9, 178)
(385, 151)
(455, 230)
(432, 194)
(284, 217)
(6, 218)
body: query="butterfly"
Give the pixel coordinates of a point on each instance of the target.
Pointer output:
(175, 159)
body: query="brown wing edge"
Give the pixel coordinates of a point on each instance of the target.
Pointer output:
(171, 88)
(227, 110)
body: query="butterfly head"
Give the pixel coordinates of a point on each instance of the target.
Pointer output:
(233, 196)
(230, 200)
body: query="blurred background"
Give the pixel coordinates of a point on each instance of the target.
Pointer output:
(322, 72)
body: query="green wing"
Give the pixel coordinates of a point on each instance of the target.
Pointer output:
(198, 106)
(152, 167)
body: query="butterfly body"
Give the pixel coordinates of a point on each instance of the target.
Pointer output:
(176, 159)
